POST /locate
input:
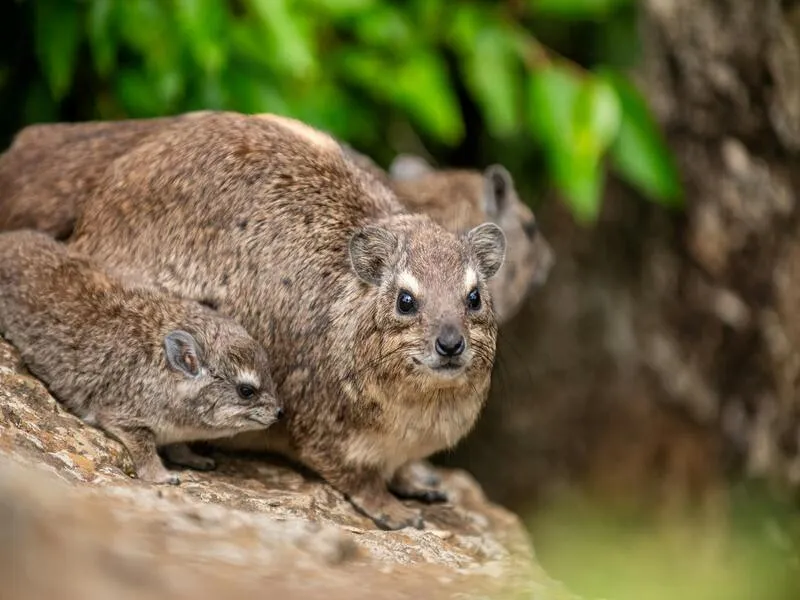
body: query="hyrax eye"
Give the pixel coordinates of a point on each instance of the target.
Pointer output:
(474, 300)
(406, 303)
(245, 391)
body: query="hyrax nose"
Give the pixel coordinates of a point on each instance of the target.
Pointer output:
(279, 413)
(450, 341)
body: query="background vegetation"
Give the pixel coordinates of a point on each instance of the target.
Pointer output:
(469, 81)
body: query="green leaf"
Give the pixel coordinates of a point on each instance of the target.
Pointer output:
(576, 9)
(493, 76)
(101, 37)
(580, 178)
(422, 87)
(251, 95)
(553, 92)
(418, 85)
(640, 153)
(597, 116)
(340, 9)
(386, 26)
(291, 46)
(139, 95)
(577, 117)
(57, 32)
(203, 23)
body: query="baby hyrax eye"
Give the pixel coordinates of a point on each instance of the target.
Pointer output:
(245, 391)
(474, 300)
(406, 303)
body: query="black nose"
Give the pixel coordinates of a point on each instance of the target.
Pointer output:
(279, 414)
(450, 342)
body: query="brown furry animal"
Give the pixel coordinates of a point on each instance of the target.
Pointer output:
(379, 323)
(150, 370)
(50, 167)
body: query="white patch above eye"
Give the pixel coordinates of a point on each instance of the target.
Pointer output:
(470, 279)
(406, 281)
(250, 378)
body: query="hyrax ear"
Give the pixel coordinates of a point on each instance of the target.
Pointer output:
(406, 167)
(488, 243)
(182, 352)
(371, 249)
(498, 186)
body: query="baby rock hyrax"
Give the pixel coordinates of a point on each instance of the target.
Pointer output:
(379, 324)
(148, 369)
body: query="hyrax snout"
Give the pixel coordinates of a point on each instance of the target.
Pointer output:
(149, 369)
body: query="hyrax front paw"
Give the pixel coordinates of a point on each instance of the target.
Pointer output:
(158, 475)
(398, 516)
(387, 512)
(413, 482)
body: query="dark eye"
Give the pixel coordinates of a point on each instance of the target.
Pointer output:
(406, 304)
(474, 299)
(245, 391)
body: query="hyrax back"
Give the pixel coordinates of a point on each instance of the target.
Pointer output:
(149, 369)
(379, 323)
(50, 167)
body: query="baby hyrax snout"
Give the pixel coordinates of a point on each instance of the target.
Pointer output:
(434, 306)
(229, 385)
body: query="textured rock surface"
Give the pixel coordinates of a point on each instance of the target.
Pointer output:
(75, 524)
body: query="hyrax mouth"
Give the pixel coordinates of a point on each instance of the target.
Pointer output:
(443, 368)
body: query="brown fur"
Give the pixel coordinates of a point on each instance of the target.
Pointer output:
(50, 168)
(256, 215)
(150, 370)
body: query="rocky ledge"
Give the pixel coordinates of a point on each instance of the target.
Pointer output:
(75, 524)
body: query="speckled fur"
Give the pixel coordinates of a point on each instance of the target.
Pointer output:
(99, 345)
(50, 168)
(255, 215)
(460, 199)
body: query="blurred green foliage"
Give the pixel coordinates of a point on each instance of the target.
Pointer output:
(457, 74)
(741, 546)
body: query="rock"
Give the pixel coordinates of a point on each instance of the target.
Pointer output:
(74, 523)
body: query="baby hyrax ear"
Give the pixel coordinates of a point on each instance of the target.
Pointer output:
(371, 250)
(406, 167)
(498, 186)
(183, 353)
(488, 243)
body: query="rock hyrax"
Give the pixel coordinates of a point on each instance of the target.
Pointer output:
(148, 369)
(379, 324)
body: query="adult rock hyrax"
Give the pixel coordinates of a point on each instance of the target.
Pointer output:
(379, 324)
(150, 370)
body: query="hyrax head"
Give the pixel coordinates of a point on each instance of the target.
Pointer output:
(224, 377)
(433, 311)
(461, 199)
